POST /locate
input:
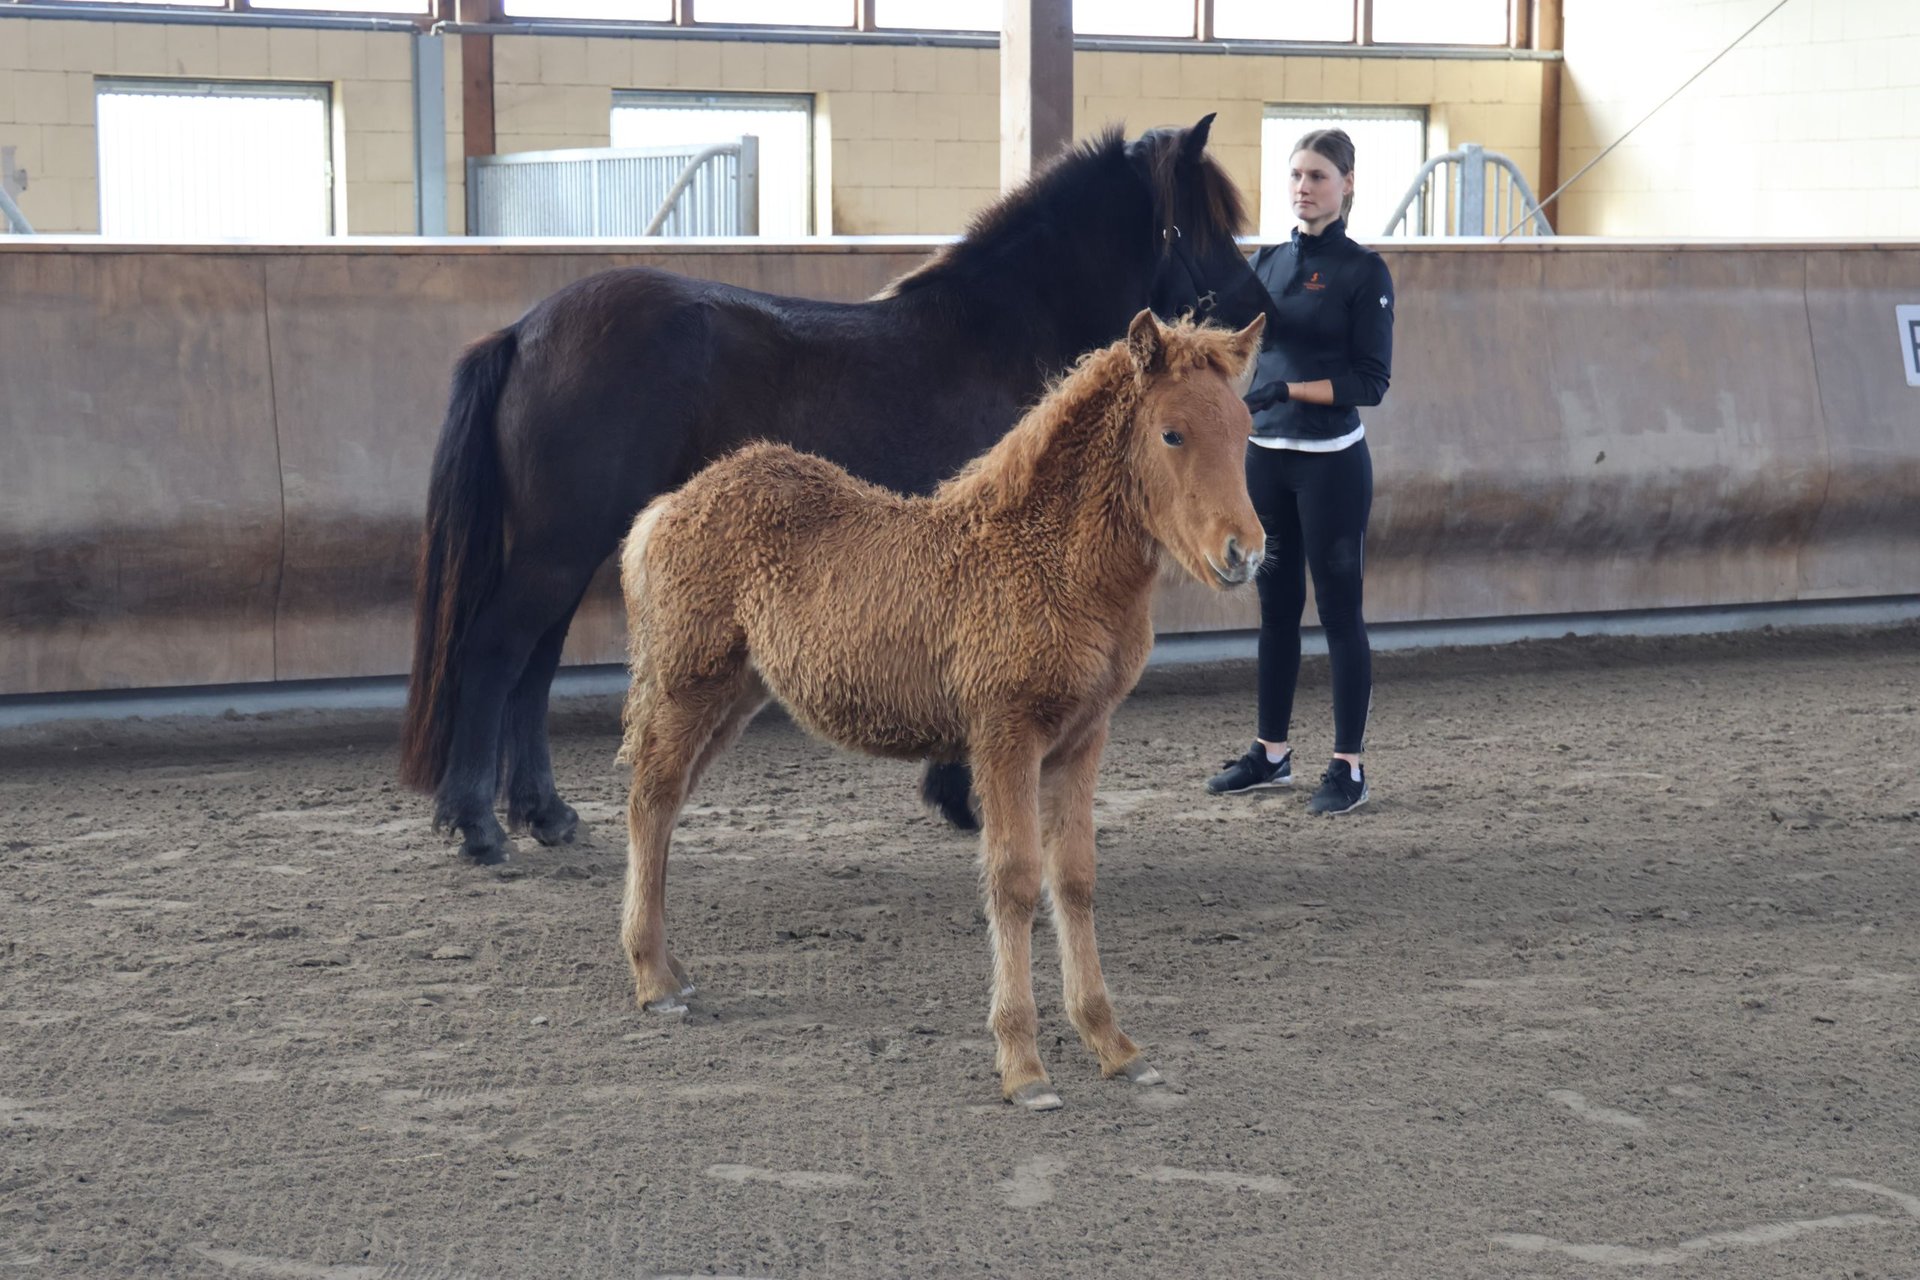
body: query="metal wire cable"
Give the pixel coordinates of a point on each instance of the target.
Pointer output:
(1538, 209)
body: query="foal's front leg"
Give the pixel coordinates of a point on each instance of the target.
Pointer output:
(1066, 793)
(1007, 782)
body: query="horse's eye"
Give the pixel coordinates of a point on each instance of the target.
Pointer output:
(1173, 438)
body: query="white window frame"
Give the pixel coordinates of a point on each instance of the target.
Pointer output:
(802, 102)
(202, 88)
(1317, 114)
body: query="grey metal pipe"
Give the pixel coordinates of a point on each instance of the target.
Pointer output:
(11, 213)
(205, 17)
(991, 40)
(680, 184)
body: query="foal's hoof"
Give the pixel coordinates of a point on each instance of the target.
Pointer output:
(680, 972)
(668, 1006)
(1142, 1072)
(555, 824)
(1038, 1096)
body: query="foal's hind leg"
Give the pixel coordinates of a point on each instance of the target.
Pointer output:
(1066, 814)
(670, 742)
(747, 704)
(1007, 775)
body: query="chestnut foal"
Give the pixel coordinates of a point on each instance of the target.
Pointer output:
(999, 620)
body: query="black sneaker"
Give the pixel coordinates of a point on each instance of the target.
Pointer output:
(1339, 792)
(1251, 772)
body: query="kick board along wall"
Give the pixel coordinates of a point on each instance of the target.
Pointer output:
(213, 462)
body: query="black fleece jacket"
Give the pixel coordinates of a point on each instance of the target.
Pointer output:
(1335, 300)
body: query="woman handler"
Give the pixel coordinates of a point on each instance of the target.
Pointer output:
(1328, 354)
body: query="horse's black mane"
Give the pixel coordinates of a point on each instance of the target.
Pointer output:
(1086, 175)
(1067, 183)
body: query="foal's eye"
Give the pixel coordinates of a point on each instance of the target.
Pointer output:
(1173, 438)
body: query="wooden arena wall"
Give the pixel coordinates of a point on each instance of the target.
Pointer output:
(213, 459)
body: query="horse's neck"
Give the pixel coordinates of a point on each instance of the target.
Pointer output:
(1050, 293)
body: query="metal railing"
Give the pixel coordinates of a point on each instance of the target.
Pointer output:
(622, 192)
(12, 181)
(1484, 194)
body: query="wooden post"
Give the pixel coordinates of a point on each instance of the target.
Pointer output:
(1548, 35)
(1036, 85)
(476, 82)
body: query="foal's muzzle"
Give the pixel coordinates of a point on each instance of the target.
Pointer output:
(1238, 564)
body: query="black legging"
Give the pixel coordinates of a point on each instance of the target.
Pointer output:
(1314, 507)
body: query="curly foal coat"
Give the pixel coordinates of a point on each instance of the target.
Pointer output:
(999, 620)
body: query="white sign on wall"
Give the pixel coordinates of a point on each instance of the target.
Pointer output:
(1908, 314)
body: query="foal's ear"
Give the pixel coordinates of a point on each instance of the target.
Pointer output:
(1246, 347)
(1196, 140)
(1246, 343)
(1147, 342)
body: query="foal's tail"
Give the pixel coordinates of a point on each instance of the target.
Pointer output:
(461, 554)
(633, 589)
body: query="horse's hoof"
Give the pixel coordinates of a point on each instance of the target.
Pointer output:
(947, 790)
(959, 816)
(485, 846)
(1142, 1072)
(1037, 1096)
(556, 824)
(667, 1006)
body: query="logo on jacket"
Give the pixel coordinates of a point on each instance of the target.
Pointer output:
(1383, 301)
(1315, 283)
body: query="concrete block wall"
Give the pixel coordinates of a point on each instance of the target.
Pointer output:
(906, 136)
(1494, 101)
(910, 135)
(1810, 127)
(47, 73)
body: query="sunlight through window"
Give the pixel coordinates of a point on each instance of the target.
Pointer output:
(1330, 20)
(185, 160)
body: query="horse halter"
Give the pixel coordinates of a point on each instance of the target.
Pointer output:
(1205, 300)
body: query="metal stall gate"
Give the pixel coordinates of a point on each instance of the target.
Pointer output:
(625, 193)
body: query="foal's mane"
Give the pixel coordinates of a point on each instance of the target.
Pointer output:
(1073, 189)
(1095, 400)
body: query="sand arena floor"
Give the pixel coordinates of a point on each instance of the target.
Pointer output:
(1618, 975)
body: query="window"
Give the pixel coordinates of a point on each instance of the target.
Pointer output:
(199, 159)
(1440, 21)
(782, 123)
(299, 6)
(344, 6)
(939, 15)
(1329, 20)
(604, 10)
(1165, 18)
(1389, 146)
(776, 13)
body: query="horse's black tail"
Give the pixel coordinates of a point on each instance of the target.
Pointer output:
(461, 554)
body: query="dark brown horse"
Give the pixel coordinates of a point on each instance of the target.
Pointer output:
(563, 425)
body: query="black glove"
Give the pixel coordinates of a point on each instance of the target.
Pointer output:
(1265, 397)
